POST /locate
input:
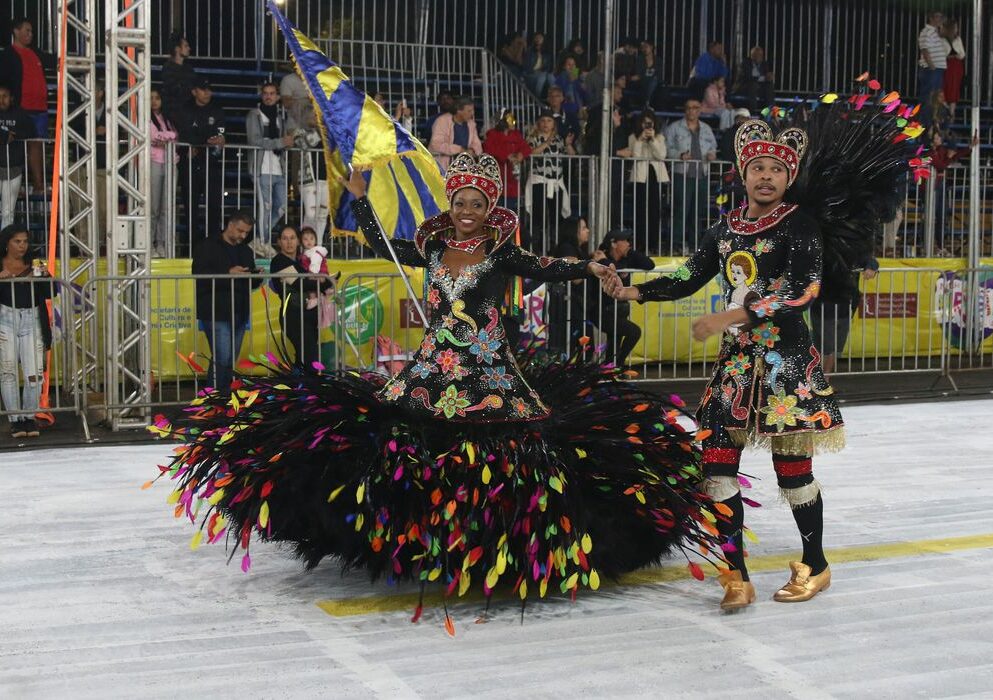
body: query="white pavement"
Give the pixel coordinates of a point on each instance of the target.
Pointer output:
(100, 595)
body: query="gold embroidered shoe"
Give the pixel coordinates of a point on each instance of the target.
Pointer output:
(802, 586)
(737, 593)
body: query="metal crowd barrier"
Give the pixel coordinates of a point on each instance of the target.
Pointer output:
(176, 361)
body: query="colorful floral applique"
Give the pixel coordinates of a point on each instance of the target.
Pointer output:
(766, 306)
(763, 245)
(803, 391)
(427, 345)
(484, 347)
(449, 321)
(396, 390)
(766, 334)
(448, 360)
(737, 365)
(520, 407)
(724, 247)
(497, 378)
(434, 297)
(452, 402)
(782, 411)
(776, 284)
(423, 370)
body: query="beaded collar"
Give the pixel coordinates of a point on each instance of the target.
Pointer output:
(468, 245)
(745, 227)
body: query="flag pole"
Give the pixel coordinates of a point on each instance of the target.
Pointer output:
(403, 273)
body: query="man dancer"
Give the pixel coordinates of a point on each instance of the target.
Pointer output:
(768, 387)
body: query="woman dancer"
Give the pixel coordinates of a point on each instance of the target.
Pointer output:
(460, 470)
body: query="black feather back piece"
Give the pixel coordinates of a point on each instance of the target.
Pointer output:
(862, 150)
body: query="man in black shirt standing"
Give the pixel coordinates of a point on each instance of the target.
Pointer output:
(15, 125)
(178, 77)
(224, 305)
(615, 316)
(201, 125)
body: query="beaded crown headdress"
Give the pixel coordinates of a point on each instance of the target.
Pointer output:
(482, 174)
(754, 139)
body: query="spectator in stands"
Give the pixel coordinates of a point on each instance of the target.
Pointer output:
(715, 101)
(299, 319)
(15, 126)
(954, 64)
(626, 59)
(511, 54)
(163, 166)
(564, 113)
(178, 77)
(614, 319)
(647, 73)
(616, 149)
(943, 155)
(593, 83)
(266, 131)
(831, 317)
(711, 64)
(295, 98)
(538, 66)
(941, 113)
(455, 133)
(649, 176)
(726, 149)
(506, 143)
(546, 197)
(201, 125)
(22, 69)
(404, 115)
(577, 49)
(567, 306)
(446, 105)
(567, 78)
(380, 99)
(25, 333)
(694, 144)
(756, 80)
(313, 175)
(933, 52)
(224, 305)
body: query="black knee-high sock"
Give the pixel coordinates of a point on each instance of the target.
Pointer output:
(810, 522)
(731, 531)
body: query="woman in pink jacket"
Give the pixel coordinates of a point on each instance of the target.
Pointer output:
(162, 132)
(715, 101)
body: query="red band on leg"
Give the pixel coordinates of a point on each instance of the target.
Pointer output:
(792, 467)
(721, 455)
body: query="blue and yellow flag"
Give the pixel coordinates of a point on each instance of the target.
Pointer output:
(405, 182)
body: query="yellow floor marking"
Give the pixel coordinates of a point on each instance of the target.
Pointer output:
(364, 605)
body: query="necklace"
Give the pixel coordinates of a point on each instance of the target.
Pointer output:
(469, 245)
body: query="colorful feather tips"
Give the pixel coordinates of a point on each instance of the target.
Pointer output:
(609, 483)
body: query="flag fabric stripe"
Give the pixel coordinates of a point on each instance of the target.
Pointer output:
(405, 182)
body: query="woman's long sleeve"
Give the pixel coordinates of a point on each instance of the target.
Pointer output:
(407, 252)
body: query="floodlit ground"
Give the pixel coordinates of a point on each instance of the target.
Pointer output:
(101, 596)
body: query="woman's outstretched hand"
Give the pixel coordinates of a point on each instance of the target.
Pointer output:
(354, 184)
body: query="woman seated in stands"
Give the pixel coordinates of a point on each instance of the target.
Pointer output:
(715, 101)
(25, 333)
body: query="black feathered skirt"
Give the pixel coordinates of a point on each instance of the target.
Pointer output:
(608, 483)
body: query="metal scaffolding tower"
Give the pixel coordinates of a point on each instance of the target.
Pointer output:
(80, 240)
(126, 295)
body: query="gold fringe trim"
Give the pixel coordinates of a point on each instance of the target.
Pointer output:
(802, 496)
(721, 488)
(800, 443)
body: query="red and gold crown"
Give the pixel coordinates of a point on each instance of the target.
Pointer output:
(482, 174)
(754, 139)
